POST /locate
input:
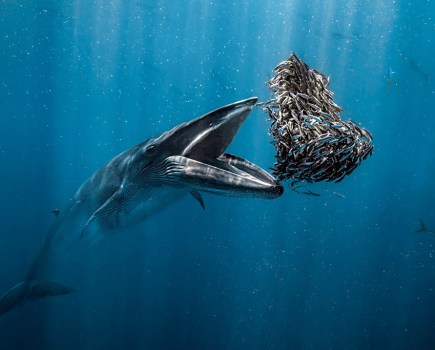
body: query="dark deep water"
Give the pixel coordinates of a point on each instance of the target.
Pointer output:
(80, 81)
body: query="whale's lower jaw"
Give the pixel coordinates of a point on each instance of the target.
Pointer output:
(227, 175)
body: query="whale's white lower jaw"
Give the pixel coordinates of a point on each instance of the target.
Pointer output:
(227, 175)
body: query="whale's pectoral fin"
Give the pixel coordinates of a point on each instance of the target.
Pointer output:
(198, 197)
(14, 297)
(44, 289)
(105, 216)
(26, 291)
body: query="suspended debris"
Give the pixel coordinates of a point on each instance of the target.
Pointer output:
(312, 142)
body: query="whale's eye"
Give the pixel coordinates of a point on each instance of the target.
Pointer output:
(151, 148)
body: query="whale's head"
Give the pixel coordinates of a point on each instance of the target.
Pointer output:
(193, 155)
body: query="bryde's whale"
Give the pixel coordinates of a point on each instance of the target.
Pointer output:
(186, 160)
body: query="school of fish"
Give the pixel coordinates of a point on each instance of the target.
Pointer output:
(312, 142)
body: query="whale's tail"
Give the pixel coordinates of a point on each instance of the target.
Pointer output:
(28, 291)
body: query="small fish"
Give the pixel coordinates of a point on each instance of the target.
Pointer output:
(308, 192)
(351, 147)
(344, 166)
(307, 163)
(342, 159)
(326, 115)
(315, 118)
(389, 76)
(417, 68)
(302, 148)
(422, 228)
(339, 194)
(351, 169)
(308, 125)
(343, 150)
(366, 132)
(282, 129)
(327, 139)
(319, 172)
(305, 96)
(340, 178)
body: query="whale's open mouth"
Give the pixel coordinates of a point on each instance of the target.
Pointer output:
(200, 161)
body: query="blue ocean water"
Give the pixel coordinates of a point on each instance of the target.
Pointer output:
(81, 81)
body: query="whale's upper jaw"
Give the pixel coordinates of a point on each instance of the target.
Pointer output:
(196, 155)
(216, 130)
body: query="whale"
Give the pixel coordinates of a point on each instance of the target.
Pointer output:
(187, 160)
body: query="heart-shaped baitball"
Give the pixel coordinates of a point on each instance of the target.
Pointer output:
(312, 142)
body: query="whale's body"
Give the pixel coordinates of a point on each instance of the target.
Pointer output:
(186, 160)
